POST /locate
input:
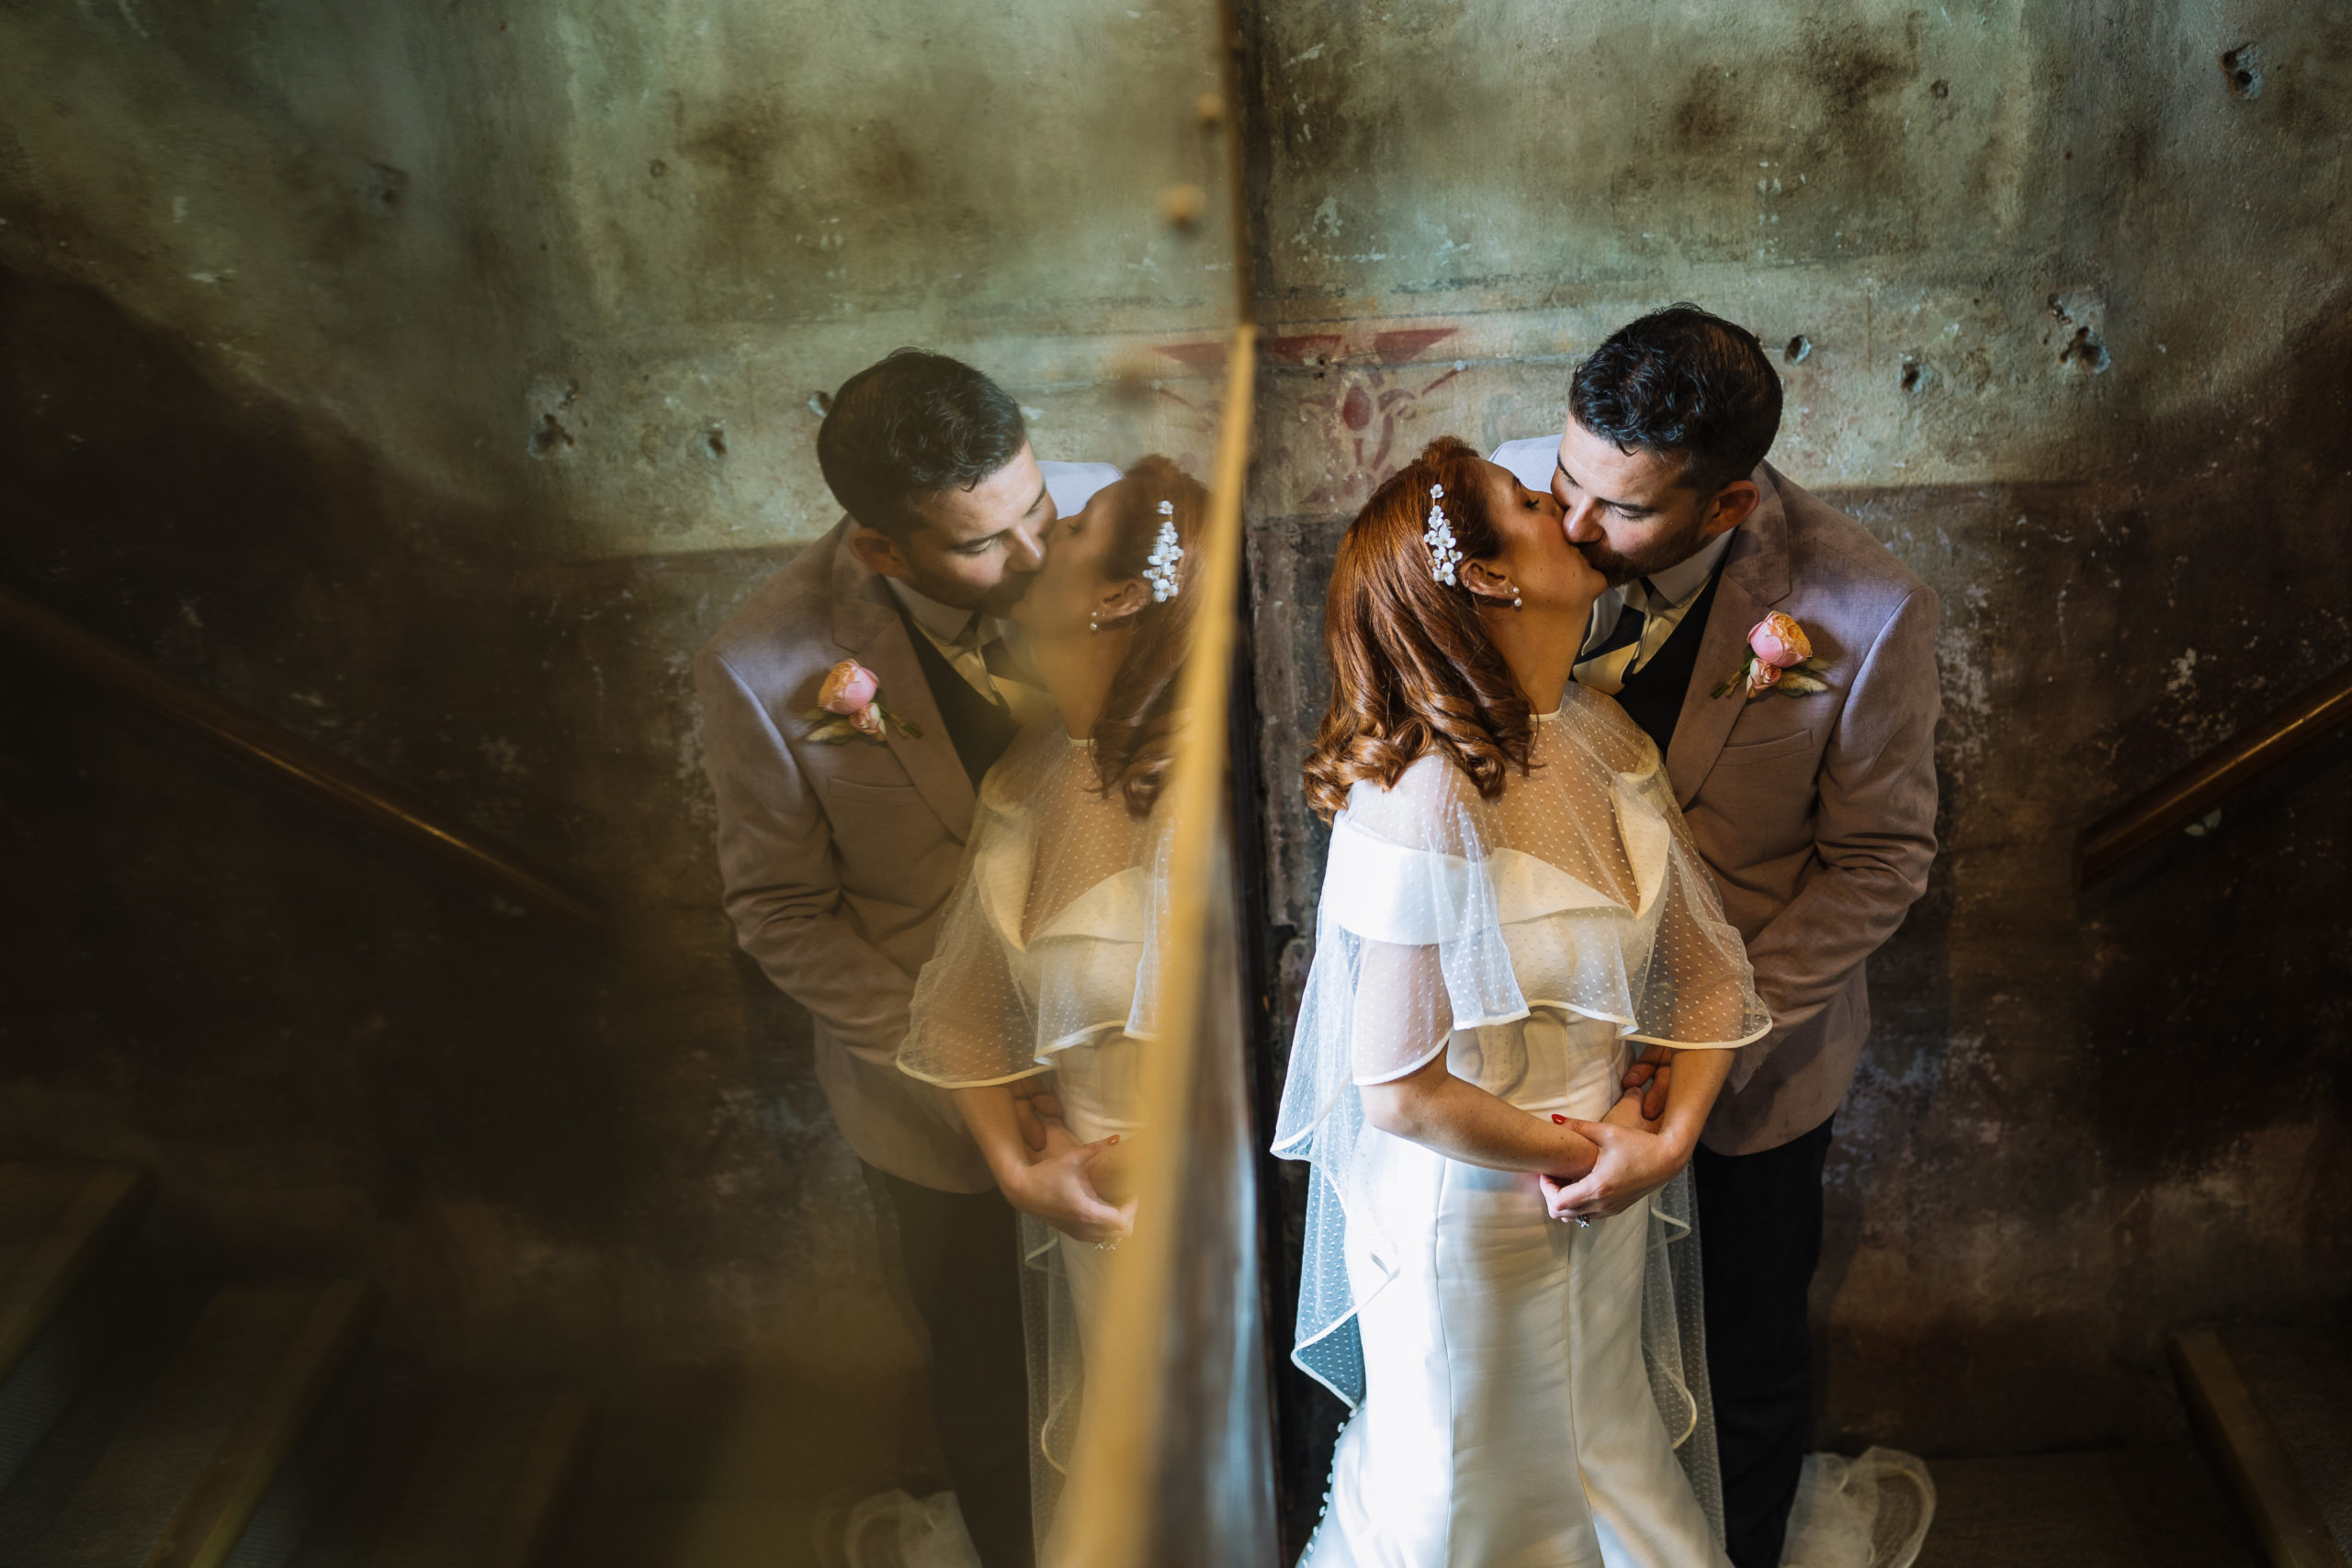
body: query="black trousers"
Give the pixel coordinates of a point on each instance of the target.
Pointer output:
(962, 1268)
(1760, 1240)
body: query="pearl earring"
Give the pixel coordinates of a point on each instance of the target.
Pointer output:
(1094, 622)
(1515, 602)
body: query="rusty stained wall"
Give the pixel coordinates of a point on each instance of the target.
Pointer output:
(434, 380)
(2057, 296)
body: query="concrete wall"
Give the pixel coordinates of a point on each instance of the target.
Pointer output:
(434, 379)
(2058, 297)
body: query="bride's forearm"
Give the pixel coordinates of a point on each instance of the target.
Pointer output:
(1434, 1109)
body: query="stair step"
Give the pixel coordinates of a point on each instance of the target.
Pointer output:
(2156, 1506)
(476, 1481)
(2252, 1451)
(157, 1319)
(191, 1460)
(2301, 1374)
(59, 1226)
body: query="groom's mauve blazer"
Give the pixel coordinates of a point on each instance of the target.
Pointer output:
(837, 859)
(1817, 814)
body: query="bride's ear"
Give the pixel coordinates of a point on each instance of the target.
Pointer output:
(1490, 586)
(1121, 601)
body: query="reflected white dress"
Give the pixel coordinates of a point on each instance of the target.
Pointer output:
(1525, 1392)
(1039, 968)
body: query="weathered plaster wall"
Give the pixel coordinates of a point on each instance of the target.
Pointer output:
(2060, 307)
(434, 379)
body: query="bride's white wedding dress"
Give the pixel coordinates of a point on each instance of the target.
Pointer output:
(1525, 1392)
(1041, 965)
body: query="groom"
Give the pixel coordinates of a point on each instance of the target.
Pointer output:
(1815, 811)
(838, 857)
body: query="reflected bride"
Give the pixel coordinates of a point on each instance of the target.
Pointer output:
(1047, 947)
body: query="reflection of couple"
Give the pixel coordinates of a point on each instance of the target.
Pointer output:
(1589, 963)
(938, 735)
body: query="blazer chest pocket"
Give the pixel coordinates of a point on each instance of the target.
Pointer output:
(849, 801)
(1779, 746)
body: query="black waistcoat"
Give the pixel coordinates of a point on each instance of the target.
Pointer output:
(980, 729)
(1653, 696)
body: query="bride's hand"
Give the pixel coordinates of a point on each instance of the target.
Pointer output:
(1059, 1188)
(1633, 1163)
(1054, 1139)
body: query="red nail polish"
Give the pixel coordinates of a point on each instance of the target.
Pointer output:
(1114, 1137)
(1560, 1119)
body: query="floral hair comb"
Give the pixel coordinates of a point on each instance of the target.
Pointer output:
(1444, 554)
(1160, 572)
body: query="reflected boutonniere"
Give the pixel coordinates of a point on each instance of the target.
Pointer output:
(1780, 659)
(849, 704)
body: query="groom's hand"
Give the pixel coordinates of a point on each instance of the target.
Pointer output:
(1652, 1072)
(1033, 1106)
(1633, 1165)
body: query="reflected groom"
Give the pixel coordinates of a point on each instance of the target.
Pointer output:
(1815, 811)
(837, 858)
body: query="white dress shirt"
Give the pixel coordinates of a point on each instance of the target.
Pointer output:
(1663, 598)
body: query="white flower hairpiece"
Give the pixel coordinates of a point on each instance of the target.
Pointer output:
(1444, 555)
(1165, 553)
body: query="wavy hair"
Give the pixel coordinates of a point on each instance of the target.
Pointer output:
(1135, 735)
(1412, 670)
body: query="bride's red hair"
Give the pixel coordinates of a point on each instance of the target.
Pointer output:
(1412, 670)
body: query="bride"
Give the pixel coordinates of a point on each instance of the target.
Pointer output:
(1046, 948)
(1512, 909)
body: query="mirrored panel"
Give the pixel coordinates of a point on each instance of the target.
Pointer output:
(697, 520)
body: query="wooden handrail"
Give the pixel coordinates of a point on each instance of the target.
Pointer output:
(2102, 848)
(305, 767)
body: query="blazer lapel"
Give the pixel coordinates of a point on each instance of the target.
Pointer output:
(1756, 578)
(867, 625)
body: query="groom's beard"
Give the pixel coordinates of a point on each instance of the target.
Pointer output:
(1007, 594)
(1619, 570)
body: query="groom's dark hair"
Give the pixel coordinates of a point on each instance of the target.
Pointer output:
(1683, 381)
(909, 427)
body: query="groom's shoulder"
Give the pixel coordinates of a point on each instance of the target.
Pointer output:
(786, 621)
(1831, 553)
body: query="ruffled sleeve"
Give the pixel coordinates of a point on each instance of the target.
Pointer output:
(1410, 918)
(990, 1005)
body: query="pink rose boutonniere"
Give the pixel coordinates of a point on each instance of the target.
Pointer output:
(1780, 659)
(850, 702)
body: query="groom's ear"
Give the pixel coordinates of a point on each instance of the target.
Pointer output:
(879, 552)
(1730, 508)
